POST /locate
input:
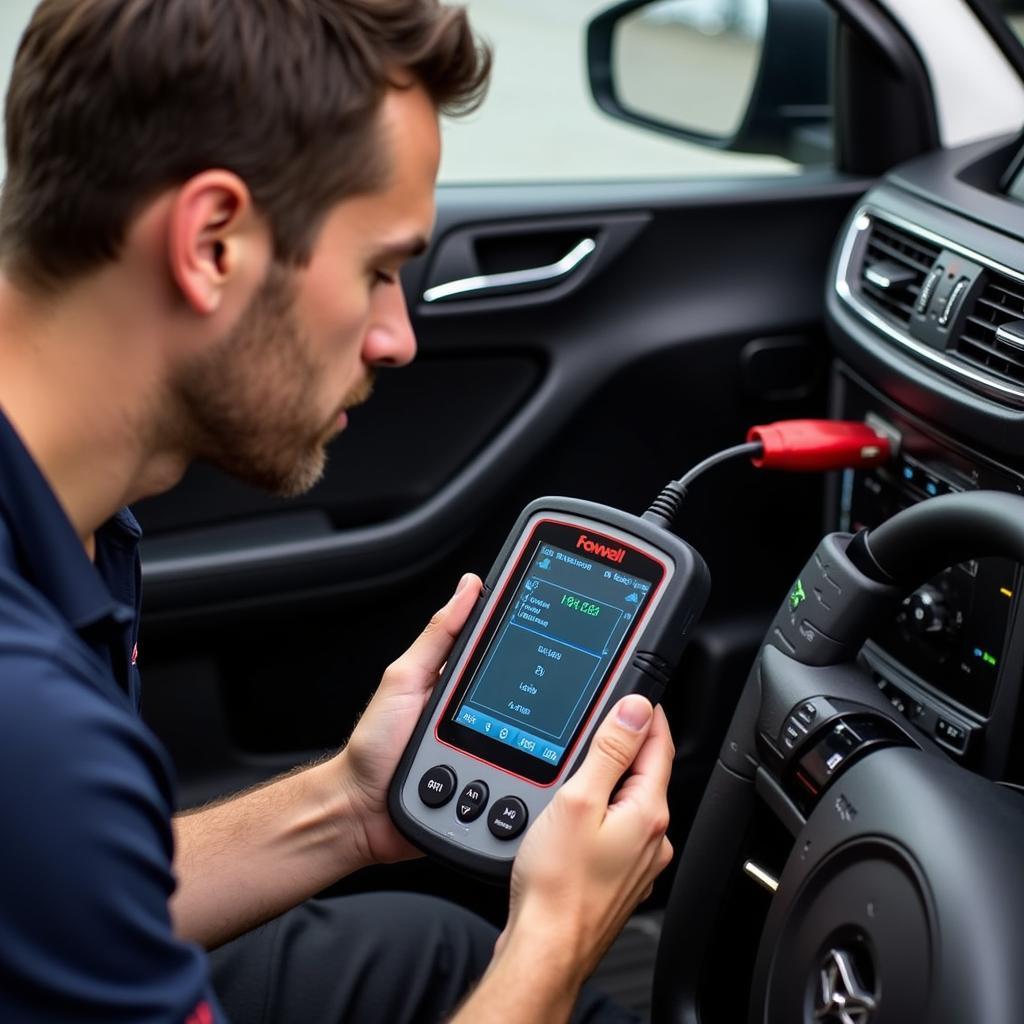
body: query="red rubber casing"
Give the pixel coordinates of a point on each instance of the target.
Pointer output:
(814, 445)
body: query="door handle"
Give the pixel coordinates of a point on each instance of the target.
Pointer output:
(485, 285)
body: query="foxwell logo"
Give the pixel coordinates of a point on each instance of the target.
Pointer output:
(601, 550)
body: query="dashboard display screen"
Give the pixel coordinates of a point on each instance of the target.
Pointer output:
(568, 612)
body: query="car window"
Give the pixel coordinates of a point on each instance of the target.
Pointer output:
(1013, 11)
(540, 121)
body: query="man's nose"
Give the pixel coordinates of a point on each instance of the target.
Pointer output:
(390, 340)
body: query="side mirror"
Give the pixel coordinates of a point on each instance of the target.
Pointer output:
(745, 75)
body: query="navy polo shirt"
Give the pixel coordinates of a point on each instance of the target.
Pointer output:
(86, 795)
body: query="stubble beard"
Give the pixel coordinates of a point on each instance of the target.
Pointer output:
(251, 401)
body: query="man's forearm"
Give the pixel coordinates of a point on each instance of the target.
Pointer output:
(243, 862)
(529, 980)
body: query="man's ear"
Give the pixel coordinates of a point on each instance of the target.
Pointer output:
(213, 238)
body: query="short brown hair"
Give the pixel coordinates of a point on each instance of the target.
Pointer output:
(112, 101)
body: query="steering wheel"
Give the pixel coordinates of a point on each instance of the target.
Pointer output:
(902, 899)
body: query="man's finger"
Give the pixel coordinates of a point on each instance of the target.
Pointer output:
(429, 651)
(614, 747)
(652, 767)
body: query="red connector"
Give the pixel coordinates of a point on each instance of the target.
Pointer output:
(811, 445)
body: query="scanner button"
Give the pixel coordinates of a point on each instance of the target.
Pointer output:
(438, 786)
(507, 817)
(472, 801)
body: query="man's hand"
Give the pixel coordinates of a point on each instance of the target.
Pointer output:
(371, 756)
(248, 859)
(591, 857)
(584, 865)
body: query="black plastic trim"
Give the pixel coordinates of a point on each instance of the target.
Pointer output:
(878, 64)
(966, 182)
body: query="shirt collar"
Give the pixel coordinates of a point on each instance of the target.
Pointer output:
(49, 553)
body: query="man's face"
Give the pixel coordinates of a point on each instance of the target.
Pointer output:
(264, 402)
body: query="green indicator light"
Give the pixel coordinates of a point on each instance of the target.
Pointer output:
(797, 596)
(988, 659)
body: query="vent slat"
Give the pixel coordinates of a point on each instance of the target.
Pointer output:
(891, 302)
(1000, 301)
(923, 251)
(884, 244)
(890, 251)
(973, 318)
(1010, 312)
(992, 365)
(996, 350)
(1009, 287)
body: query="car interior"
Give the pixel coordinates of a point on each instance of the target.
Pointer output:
(848, 825)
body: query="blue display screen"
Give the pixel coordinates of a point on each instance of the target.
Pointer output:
(550, 652)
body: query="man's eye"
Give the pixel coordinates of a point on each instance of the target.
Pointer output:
(384, 277)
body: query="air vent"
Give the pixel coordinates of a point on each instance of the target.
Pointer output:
(968, 326)
(902, 261)
(1000, 302)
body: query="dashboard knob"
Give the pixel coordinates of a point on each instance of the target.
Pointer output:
(927, 612)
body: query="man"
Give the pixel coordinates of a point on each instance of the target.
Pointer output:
(207, 206)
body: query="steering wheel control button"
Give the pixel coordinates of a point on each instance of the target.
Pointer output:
(507, 818)
(471, 803)
(807, 713)
(793, 733)
(826, 757)
(438, 786)
(843, 744)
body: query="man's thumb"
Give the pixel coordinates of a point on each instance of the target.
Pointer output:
(615, 745)
(429, 650)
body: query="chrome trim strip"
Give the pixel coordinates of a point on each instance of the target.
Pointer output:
(1003, 335)
(862, 222)
(759, 875)
(486, 284)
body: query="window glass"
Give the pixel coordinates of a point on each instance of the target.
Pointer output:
(1013, 11)
(540, 122)
(14, 18)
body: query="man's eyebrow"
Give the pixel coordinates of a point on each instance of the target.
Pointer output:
(405, 249)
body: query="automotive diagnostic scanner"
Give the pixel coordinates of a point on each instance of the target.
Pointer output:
(584, 605)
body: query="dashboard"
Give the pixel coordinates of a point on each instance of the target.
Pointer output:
(925, 309)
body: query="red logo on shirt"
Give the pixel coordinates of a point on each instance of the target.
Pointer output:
(202, 1014)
